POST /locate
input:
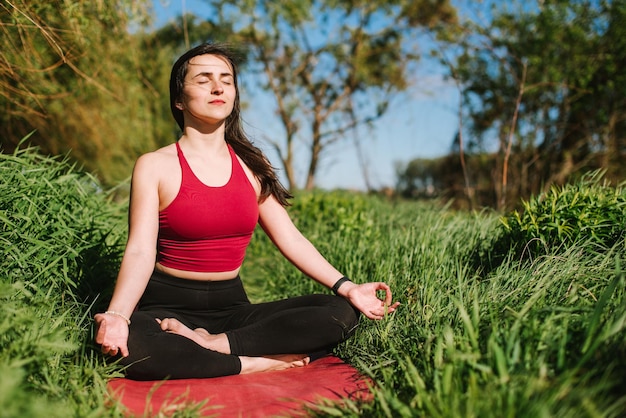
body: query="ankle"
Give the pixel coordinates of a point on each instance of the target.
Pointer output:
(219, 343)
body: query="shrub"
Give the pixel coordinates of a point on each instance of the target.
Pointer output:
(588, 212)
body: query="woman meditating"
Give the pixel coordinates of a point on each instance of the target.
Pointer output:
(179, 309)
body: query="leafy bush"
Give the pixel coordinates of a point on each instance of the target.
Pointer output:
(586, 212)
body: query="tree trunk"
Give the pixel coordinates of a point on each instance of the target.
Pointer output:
(316, 148)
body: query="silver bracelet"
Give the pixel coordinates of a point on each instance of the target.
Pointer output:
(124, 317)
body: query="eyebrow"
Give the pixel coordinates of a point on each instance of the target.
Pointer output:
(210, 74)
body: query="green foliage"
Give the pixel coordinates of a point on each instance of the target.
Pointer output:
(511, 346)
(330, 220)
(552, 68)
(59, 231)
(61, 238)
(545, 338)
(333, 211)
(73, 73)
(588, 212)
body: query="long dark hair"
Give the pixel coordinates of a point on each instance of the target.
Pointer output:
(234, 133)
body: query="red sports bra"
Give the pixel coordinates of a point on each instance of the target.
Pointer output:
(207, 229)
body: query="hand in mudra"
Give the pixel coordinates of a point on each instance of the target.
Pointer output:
(364, 297)
(112, 334)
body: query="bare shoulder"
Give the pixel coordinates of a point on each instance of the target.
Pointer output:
(155, 162)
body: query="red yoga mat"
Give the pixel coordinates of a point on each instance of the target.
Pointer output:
(277, 393)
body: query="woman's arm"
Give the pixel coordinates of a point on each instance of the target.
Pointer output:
(277, 224)
(138, 260)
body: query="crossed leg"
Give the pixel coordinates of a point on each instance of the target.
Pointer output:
(219, 343)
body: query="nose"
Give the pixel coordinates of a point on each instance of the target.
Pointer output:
(217, 88)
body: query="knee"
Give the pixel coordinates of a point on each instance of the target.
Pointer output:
(346, 314)
(137, 367)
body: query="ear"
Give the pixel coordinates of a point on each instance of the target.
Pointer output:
(180, 106)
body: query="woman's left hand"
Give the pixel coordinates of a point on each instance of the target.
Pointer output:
(364, 297)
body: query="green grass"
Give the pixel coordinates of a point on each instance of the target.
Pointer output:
(61, 238)
(483, 330)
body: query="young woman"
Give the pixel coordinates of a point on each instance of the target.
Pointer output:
(179, 309)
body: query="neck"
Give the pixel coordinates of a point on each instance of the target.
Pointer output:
(207, 134)
(211, 142)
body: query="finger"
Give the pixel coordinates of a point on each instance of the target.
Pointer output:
(124, 351)
(388, 296)
(369, 314)
(111, 350)
(374, 315)
(384, 287)
(393, 307)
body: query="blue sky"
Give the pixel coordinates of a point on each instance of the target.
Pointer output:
(420, 123)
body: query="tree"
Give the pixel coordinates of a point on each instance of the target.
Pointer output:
(545, 80)
(330, 66)
(89, 80)
(417, 178)
(68, 73)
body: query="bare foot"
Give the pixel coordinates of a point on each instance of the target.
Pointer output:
(269, 363)
(215, 342)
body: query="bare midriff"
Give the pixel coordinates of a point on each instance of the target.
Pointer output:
(198, 275)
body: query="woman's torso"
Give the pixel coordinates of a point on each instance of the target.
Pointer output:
(213, 172)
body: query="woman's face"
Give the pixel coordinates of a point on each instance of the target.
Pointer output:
(209, 91)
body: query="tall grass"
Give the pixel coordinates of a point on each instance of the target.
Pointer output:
(543, 337)
(523, 336)
(60, 239)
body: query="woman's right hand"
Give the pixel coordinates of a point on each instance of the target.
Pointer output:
(112, 334)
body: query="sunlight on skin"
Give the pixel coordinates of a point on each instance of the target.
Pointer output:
(272, 363)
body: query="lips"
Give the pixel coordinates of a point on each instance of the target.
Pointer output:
(217, 102)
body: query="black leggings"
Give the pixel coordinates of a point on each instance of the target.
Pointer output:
(299, 325)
